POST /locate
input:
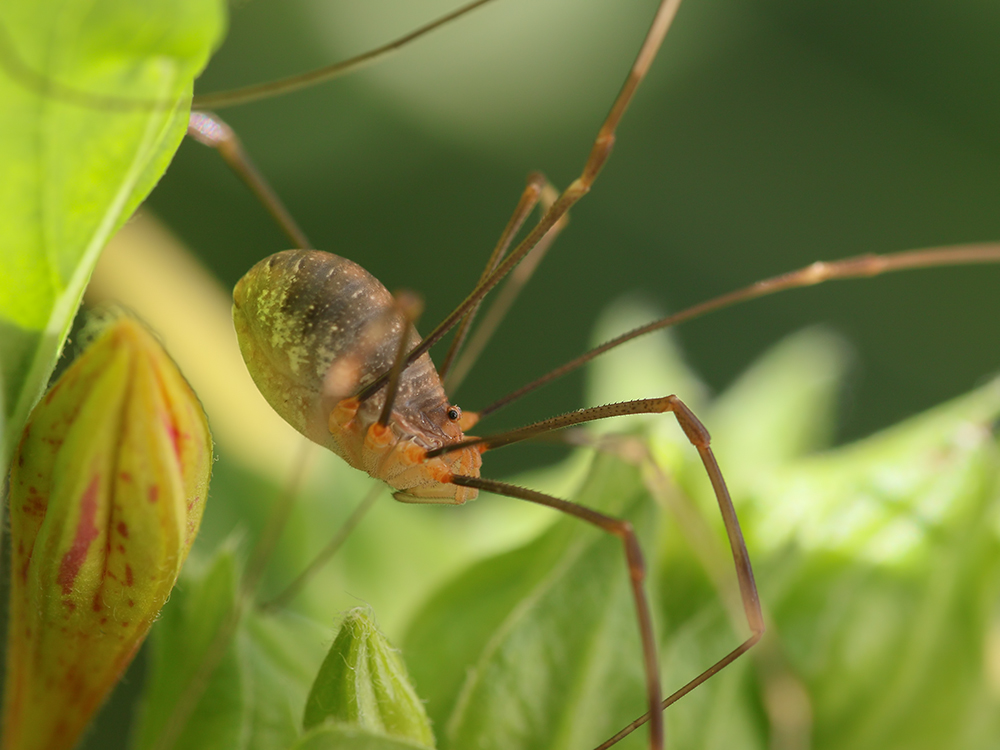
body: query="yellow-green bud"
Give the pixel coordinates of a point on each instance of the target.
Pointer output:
(106, 494)
(364, 683)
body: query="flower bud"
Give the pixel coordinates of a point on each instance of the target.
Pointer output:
(363, 682)
(106, 493)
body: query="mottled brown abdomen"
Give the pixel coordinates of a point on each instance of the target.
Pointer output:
(315, 328)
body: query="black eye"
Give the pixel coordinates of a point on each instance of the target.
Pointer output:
(454, 413)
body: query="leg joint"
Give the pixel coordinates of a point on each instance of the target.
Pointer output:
(695, 431)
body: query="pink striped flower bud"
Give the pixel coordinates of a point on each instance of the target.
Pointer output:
(106, 493)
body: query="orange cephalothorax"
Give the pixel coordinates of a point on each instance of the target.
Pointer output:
(397, 452)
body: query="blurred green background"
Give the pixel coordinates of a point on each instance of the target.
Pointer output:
(770, 133)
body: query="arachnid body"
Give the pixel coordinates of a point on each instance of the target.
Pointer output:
(314, 329)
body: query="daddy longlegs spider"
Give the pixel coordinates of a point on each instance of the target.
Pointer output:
(354, 408)
(374, 375)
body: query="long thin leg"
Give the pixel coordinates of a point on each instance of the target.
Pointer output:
(636, 568)
(698, 436)
(529, 199)
(209, 130)
(320, 75)
(409, 307)
(695, 431)
(506, 296)
(578, 188)
(580, 416)
(324, 556)
(861, 266)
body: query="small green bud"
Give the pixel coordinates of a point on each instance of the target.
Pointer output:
(106, 494)
(363, 682)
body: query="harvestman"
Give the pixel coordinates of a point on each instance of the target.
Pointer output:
(337, 355)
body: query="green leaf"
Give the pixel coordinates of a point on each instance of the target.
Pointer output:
(879, 564)
(363, 682)
(180, 642)
(281, 652)
(255, 697)
(539, 647)
(880, 498)
(77, 157)
(902, 541)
